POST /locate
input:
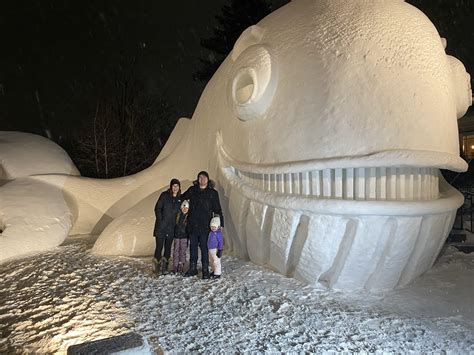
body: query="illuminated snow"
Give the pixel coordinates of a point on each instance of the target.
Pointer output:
(69, 296)
(325, 130)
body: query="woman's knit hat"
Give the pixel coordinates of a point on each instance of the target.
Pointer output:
(173, 182)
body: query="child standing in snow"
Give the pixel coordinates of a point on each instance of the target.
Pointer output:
(215, 244)
(180, 238)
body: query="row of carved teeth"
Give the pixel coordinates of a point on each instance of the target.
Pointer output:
(396, 184)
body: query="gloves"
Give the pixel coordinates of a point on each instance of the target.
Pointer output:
(219, 253)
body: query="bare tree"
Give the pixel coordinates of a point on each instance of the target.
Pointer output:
(126, 133)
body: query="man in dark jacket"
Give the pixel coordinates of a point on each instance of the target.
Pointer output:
(165, 212)
(204, 203)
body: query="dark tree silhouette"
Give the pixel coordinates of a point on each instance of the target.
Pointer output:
(235, 18)
(127, 131)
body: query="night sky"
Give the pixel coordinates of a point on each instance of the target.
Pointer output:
(57, 50)
(56, 54)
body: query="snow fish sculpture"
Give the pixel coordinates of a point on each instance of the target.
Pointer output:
(325, 129)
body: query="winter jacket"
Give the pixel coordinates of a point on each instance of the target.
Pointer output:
(180, 229)
(215, 240)
(165, 212)
(203, 203)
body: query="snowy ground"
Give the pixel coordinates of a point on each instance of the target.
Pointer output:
(68, 296)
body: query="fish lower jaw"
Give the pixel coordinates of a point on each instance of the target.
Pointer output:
(347, 229)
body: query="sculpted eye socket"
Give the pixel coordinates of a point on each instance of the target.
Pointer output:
(253, 83)
(243, 86)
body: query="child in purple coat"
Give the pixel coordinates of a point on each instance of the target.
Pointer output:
(215, 244)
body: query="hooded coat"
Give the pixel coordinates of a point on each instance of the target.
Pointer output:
(203, 204)
(166, 209)
(180, 230)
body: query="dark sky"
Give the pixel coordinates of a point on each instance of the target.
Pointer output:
(54, 52)
(51, 50)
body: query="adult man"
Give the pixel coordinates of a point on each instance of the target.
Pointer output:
(204, 203)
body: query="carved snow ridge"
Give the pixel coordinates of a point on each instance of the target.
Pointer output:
(382, 183)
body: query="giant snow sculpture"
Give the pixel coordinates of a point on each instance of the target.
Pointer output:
(325, 129)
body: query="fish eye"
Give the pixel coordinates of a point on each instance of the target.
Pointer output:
(243, 86)
(253, 83)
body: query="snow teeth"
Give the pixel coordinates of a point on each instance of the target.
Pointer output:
(378, 184)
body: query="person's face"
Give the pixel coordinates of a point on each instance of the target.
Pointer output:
(214, 228)
(174, 189)
(203, 180)
(184, 209)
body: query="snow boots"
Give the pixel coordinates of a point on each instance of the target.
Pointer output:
(164, 266)
(179, 269)
(160, 266)
(192, 271)
(213, 276)
(205, 271)
(157, 265)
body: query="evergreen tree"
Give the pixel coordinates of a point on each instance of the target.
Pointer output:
(234, 19)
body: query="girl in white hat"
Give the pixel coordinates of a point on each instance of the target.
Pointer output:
(181, 238)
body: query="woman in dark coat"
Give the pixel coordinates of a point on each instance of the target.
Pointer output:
(165, 212)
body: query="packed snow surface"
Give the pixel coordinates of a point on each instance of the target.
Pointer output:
(68, 296)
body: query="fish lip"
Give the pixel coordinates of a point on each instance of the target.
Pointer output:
(449, 198)
(391, 158)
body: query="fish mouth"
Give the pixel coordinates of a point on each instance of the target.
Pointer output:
(397, 182)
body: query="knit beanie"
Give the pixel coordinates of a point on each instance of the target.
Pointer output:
(173, 182)
(203, 173)
(215, 222)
